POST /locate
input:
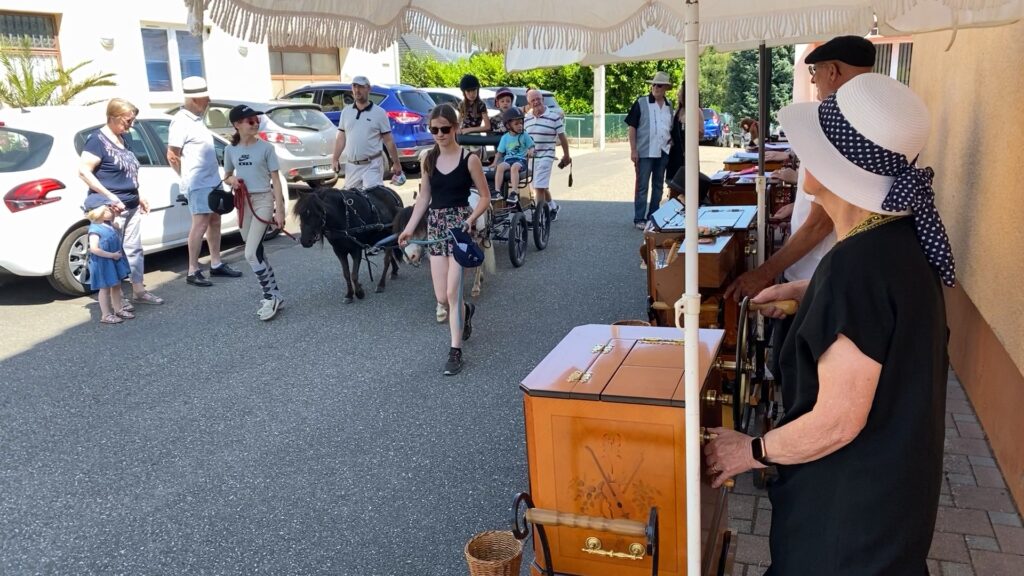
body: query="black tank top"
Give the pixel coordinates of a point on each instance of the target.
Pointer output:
(451, 190)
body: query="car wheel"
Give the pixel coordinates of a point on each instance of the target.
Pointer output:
(71, 264)
(411, 167)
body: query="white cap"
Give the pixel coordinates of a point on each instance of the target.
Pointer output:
(361, 80)
(194, 87)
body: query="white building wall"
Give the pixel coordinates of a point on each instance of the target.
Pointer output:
(380, 68)
(82, 26)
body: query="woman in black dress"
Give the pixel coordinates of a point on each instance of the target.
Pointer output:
(448, 174)
(676, 151)
(863, 369)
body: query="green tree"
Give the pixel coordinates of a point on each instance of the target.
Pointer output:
(713, 66)
(23, 85)
(741, 85)
(741, 98)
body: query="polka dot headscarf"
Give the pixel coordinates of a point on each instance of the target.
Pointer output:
(912, 189)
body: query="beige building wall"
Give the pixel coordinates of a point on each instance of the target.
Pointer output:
(975, 93)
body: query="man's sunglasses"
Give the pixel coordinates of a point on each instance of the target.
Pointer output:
(441, 129)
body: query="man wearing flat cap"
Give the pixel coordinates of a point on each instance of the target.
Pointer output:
(831, 65)
(650, 137)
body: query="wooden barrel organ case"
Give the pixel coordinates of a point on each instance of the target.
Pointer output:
(605, 437)
(728, 241)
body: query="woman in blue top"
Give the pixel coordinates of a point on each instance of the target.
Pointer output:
(111, 170)
(448, 174)
(107, 266)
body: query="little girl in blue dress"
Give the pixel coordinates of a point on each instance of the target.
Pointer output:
(107, 266)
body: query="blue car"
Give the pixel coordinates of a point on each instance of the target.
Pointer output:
(713, 132)
(408, 109)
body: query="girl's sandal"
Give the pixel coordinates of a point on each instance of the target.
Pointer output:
(148, 297)
(127, 305)
(111, 319)
(126, 314)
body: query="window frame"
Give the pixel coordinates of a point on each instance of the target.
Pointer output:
(156, 154)
(43, 52)
(173, 56)
(285, 78)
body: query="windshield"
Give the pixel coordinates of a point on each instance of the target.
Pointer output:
(23, 150)
(309, 118)
(707, 113)
(549, 101)
(417, 101)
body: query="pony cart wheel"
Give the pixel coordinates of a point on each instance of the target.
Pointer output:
(541, 226)
(517, 239)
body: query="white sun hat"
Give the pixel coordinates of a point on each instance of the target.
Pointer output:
(829, 137)
(194, 87)
(862, 143)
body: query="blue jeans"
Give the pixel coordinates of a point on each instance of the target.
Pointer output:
(650, 174)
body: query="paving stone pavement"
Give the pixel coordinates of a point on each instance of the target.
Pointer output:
(978, 531)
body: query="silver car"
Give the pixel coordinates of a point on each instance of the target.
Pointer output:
(302, 135)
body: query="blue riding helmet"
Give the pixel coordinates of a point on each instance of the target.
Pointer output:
(464, 250)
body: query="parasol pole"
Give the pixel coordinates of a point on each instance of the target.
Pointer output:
(764, 78)
(690, 302)
(599, 97)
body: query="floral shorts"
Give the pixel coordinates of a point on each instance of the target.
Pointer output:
(439, 222)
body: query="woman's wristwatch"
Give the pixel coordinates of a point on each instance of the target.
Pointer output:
(757, 449)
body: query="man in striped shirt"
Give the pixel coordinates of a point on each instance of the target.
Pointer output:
(546, 128)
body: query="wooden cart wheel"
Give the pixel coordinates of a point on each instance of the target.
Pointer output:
(517, 239)
(541, 225)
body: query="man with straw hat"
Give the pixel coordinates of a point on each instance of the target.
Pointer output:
(859, 450)
(650, 138)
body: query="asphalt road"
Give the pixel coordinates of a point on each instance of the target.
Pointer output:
(198, 440)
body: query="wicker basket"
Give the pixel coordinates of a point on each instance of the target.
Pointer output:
(631, 323)
(494, 553)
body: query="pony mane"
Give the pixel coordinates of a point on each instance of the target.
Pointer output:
(307, 200)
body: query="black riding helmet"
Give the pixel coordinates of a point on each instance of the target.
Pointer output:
(469, 82)
(511, 114)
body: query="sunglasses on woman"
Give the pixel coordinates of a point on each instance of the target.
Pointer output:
(441, 129)
(252, 121)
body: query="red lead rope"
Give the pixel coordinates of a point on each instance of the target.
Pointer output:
(242, 197)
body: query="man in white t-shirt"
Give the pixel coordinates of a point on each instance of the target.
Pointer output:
(831, 65)
(547, 128)
(191, 153)
(362, 128)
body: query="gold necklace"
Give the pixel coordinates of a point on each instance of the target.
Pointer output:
(873, 221)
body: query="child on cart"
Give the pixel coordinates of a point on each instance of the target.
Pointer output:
(513, 150)
(503, 100)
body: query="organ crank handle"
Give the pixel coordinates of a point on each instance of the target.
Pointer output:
(788, 307)
(556, 518)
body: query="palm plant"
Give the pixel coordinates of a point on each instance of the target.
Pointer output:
(22, 85)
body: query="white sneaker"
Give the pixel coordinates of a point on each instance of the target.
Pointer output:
(441, 313)
(268, 309)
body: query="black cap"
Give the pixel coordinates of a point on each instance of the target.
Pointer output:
(241, 112)
(853, 50)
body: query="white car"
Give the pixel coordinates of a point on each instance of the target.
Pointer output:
(42, 228)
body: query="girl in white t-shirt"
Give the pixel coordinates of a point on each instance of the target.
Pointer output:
(251, 169)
